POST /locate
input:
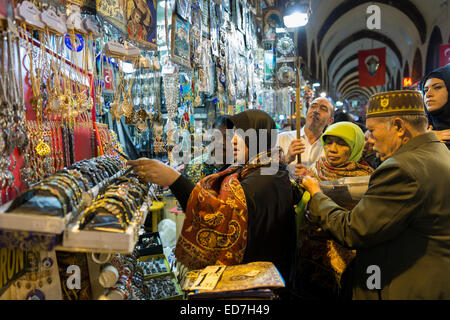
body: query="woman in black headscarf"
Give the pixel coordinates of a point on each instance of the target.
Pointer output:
(244, 213)
(435, 87)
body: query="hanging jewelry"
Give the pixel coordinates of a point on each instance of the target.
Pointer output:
(142, 116)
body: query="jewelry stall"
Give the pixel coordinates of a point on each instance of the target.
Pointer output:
(86, 86)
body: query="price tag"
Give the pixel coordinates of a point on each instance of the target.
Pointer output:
(208, 278)
(168, 69)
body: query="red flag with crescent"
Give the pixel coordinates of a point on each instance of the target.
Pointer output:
(372, 67)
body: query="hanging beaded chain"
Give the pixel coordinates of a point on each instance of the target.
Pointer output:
(159, 145)
(12, 112)
(171, 93)
(116, 146)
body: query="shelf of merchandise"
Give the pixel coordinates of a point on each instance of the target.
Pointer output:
(27, 221)
(76, 240)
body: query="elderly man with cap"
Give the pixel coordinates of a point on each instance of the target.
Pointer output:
(401, 226)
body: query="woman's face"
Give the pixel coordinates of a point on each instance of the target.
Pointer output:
(337, 151)
(136, 17)
(435, 94)
(240, 150)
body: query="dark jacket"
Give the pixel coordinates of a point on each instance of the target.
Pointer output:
(401, 225)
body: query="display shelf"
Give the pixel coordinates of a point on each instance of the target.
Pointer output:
(28, 221)
(32, 222)
(76, 240)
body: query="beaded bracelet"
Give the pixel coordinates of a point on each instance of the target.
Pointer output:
(53, 192)
(91, 212)
(69, 183)
(126, 210)
(122, 197)
(75, 182)
(72, 174)
(69, 196)
(113, 209)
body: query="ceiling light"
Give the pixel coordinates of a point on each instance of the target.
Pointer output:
(316, 84)
(296, 14)
(323, 94)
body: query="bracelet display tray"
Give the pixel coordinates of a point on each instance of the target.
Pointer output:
(27, 221)
(77, 240)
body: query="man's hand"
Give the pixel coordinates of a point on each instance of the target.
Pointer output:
(296, 147)
(154, 171)
(311, 185)
(443, 135)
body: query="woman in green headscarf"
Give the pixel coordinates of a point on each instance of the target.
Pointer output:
(322, 265)
(343, 144)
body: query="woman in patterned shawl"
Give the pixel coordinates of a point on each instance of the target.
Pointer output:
(241, 214)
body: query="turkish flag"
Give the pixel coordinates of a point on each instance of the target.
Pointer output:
(372, 67)
(444, 55)
(108, 75)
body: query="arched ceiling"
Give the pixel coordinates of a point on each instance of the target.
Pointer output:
(366, 91)
(338, 30)
(405, 6)
(356, 92)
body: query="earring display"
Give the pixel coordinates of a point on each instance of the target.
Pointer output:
(162, 288)
(154, 265)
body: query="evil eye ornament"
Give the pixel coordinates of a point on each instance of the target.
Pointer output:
(47, 262)
(35, 295)
(79, 41)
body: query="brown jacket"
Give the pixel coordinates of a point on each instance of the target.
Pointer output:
(401, 225)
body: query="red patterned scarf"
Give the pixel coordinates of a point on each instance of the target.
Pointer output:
(215, 227)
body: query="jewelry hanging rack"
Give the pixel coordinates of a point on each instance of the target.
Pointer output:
(92, 89)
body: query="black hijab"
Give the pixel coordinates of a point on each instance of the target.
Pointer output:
(258, 120)
(440, 119)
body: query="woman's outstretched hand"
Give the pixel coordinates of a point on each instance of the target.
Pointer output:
(154, 171)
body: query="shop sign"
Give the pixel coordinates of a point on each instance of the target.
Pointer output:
(407, 82)
(12, 267)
